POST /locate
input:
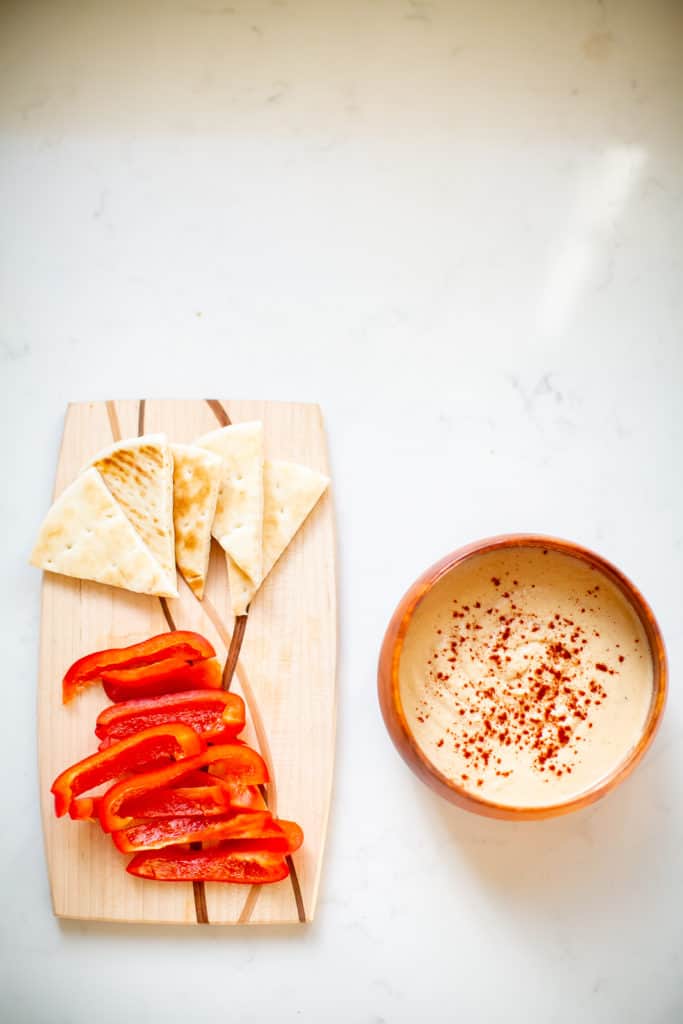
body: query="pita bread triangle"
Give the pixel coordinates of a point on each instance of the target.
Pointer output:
(196, 482)
(139, 473)
(86, 534)
(242, 589)
(238, 525)
(290, 492)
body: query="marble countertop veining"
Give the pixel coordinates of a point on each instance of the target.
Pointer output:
(457, 226)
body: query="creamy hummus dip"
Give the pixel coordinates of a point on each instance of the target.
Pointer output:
(525, 676)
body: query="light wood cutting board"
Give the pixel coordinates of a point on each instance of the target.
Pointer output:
(285, 671)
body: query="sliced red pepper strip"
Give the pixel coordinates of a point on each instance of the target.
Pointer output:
(213, 865)
(247, 767)
(293, 834)
(85, 808)
(247, 798)
(179, 643)
(170, 676)
(287, 840)
(243, 798)
(151, 745)
(198, 778)
(194, 797)
(193, 801)
(214, 714)
(153, 835)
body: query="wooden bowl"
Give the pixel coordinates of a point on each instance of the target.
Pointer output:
(389, 690)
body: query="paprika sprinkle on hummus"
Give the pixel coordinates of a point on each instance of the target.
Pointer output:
(525, 676)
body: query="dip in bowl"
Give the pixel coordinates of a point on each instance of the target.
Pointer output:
(522, 677)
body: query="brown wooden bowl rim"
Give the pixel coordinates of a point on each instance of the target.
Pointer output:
(389, 690)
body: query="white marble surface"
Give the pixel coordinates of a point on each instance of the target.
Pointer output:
(457, 226)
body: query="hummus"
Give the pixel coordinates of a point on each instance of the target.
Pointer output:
(525, 676)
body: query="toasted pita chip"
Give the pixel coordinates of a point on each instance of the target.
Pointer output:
(238, 526)
(290, 492)
(196, 481)
(139, 473)
(86, 534)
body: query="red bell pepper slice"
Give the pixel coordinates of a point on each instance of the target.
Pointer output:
(153, 835)
(244, 798)
(241, 797)
(288, 839)
(194, 801)
(169, 676)
(172, 803)
(214, 714)
(174, 740)
(213, 865)
(190, 799)
(182, 644)
(246, 766)
(199, 777)
(85, 808)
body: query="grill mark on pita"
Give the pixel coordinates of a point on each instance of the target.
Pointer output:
(128, 465)
(153, 454)
(191, 543)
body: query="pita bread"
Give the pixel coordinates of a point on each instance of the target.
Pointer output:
(290, 492)
(86, 534)
(242, 589)
(238, 526)
(139, 473)
(196, 481)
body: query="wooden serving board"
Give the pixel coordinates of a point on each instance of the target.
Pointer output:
(285, 671)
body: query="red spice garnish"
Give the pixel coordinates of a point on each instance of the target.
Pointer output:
(529, 708)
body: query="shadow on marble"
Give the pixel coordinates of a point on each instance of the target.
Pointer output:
(560, 864)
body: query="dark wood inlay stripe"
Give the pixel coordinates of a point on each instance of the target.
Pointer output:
(199, 893)
(167, 614)
(141, 417)
(250, 701)
(234, 650)
(219, 411)
(296, 889)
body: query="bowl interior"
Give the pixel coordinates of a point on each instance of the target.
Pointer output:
(529, 675)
